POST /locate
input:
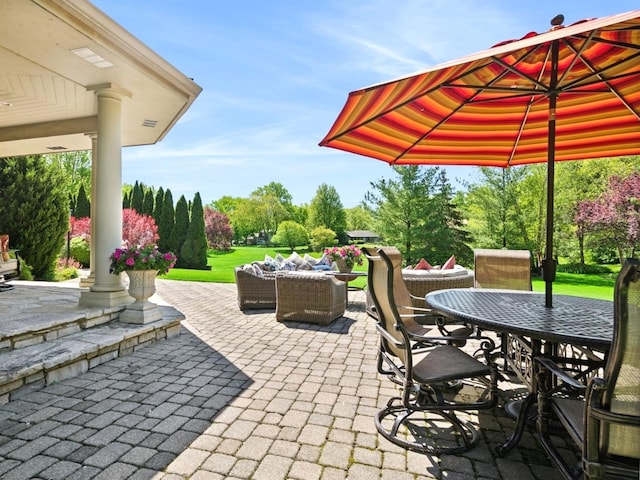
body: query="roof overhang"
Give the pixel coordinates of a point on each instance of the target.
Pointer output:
(54, 54)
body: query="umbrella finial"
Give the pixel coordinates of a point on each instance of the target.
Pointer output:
(557, 20)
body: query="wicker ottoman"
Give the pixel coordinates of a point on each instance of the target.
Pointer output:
(309, 297)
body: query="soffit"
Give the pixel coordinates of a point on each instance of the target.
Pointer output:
(47, 94)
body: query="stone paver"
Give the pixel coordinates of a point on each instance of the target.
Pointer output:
(238, 396)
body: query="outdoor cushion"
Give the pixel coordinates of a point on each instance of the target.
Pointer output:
(423, 265)
(449, 264)
(435, 273)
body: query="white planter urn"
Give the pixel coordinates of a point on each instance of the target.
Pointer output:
(142, 285)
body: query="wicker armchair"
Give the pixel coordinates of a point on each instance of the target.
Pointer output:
(255, 292)
(605, 420)
(309, 297)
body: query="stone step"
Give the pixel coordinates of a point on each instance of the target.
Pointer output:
(52, 347)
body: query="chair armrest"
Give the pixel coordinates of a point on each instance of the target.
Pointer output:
(551, 366)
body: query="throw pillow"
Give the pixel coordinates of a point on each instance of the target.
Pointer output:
(287, 265)
(449, 264)
(423, 265)
(258, 270)
(249, 269)
(324, 260)
(305, 265)
(270, 264)
(295, 258)
(309, 259)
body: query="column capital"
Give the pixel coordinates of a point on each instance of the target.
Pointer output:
(110, 91)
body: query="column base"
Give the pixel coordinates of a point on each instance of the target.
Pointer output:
(141, 313)
(88, 281)
(91, 298)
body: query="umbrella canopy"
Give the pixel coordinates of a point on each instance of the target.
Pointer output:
(567, 94)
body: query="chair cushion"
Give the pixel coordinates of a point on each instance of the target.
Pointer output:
(444, 363)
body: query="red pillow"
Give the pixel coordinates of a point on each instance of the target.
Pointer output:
(423, 265)
(449, 264)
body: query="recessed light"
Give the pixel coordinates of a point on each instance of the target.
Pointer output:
(92, 57)
(6, 104)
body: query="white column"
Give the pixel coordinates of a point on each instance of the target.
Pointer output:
(107, 290)
(90, 280)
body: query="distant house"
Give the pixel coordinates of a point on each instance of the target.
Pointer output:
(363, 236)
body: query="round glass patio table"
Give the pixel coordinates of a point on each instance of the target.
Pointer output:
(572, 320)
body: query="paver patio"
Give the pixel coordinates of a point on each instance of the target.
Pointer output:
(239, 396)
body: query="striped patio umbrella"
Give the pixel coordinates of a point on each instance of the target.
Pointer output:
(567, 94)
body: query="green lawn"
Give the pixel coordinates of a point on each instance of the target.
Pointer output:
(223, 263)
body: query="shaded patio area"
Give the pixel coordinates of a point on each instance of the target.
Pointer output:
(240, 395)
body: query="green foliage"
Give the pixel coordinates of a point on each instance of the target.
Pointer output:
(180, 228)
(126, 199)
(291, 234)
(326, 210)
(76, 168)
(582, 268)
(158, 206)
(403, 207)
(137, 198)
(322, 237)
(80, 250)
(82, 208)
(26, 272)
(34, 210)
(359, 218)
(194, 249)
(167, 221)
(147, 204)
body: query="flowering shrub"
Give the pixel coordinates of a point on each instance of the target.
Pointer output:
(141, 258)
(349, 253)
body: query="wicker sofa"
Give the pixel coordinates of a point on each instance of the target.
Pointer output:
(421, 283)
(255, 292)
(311, 297)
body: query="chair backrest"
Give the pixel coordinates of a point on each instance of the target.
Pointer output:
(509, 269)
(380, 281)
(622, 371)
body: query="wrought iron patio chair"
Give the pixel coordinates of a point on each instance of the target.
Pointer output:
(603, 417)
(414, 420)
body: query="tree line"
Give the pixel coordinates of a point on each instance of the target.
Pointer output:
(596, 212)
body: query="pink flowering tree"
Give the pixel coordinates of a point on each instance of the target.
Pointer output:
(217, 229)
(81, 227)
(614, 217)
(138, 229)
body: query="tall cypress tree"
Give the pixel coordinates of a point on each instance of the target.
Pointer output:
(180, 228)
(34, 210)
(126, 200)
(167, 220)
(147, 204)
(194, 249)
(137, 198)
(83, 207)
(159, 203)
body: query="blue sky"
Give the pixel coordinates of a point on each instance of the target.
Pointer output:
(275, 75)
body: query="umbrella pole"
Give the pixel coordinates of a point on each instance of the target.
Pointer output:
(548, 263)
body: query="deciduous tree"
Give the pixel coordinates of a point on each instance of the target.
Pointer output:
(217, 229)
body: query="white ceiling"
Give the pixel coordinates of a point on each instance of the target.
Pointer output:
(47, 98)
